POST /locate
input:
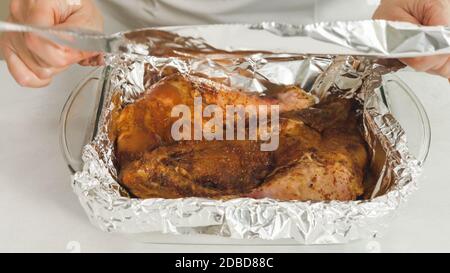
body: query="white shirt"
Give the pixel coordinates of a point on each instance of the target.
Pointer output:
(145, 13)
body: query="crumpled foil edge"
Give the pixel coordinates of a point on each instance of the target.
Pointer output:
(381, 37)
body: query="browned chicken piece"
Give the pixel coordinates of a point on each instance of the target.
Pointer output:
(327, 164)
(321, 156)
(198, 169)
(146, 124)
(330, 113)
(314, 177)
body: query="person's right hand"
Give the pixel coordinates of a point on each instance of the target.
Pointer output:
(421, 12)
(32, 60)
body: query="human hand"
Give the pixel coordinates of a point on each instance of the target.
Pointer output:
(422, 12)
(33, 61)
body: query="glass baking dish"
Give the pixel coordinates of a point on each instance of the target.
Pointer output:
(82, 109)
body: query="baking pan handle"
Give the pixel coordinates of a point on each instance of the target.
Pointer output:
(409, 111)
(76, 121)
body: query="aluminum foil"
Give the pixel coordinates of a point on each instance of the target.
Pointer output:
(110, 208)
(371, 37)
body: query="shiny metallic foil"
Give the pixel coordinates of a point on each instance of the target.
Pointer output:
(395, 171)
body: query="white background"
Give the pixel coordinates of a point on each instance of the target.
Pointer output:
(39, 212)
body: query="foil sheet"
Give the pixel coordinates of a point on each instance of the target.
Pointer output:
(111, 209)
(371, 37)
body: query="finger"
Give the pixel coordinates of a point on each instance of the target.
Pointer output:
(55, 55)
(16, 10)
(99, 60)
(75, 21)
(34, 63)
(443, 71)
(426, 63)
(52, 54)
(394, 14)
(49, 13)
(21, 73)
(45, 53)
(93, 61)
(86, 19)
(85, 62)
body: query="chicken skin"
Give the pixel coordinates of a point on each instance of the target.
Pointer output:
(146, 124)
(202, 169)
(321, 154)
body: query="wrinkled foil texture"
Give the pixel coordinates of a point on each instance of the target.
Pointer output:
(110, 208)
(372, 37)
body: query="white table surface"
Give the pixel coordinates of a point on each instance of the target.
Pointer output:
(40, 213)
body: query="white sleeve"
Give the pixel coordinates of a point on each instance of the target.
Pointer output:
(144, 13)
(120, 15)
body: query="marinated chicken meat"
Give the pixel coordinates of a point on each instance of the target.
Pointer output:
(321, 155)
(146, 124)
(204, 169)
